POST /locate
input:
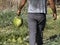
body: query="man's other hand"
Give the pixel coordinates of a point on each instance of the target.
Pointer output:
(54, 16)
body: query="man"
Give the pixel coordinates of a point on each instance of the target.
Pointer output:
(37, 10)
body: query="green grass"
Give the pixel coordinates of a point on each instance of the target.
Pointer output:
(11, 35)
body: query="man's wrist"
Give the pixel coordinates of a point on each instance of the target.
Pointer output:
(55, 13)
(19, 9)
(54, 10)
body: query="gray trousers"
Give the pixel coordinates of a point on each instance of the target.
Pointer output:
(36, 24)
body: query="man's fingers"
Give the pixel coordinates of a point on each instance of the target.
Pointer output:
(18, 12)
(54, 16)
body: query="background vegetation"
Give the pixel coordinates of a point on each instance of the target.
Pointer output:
(11, 35)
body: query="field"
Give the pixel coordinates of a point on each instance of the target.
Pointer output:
(11, 35)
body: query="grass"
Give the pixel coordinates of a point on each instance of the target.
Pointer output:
(10, 35)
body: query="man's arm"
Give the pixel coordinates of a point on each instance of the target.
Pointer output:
(21, 5)
(53, 7)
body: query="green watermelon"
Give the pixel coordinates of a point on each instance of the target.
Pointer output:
(17, 21)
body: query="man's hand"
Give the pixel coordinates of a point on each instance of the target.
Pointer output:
(21, 5)
(18, 12)
(53, 7)
(54, 16)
